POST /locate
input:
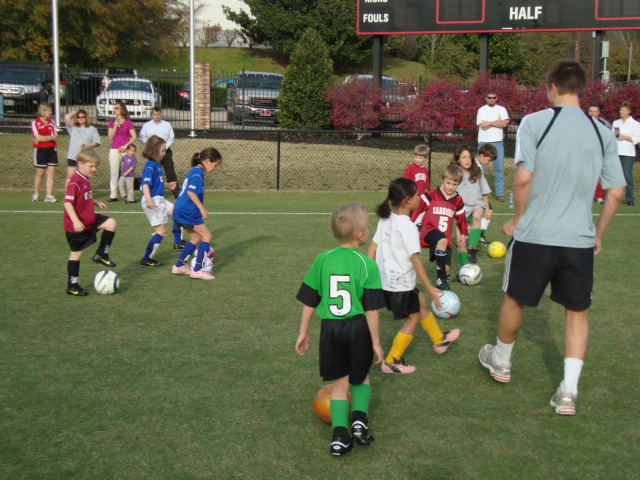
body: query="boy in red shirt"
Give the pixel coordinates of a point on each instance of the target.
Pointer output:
(81, 223)
(441, 207)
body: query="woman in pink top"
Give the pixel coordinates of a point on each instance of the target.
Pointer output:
(122, 134)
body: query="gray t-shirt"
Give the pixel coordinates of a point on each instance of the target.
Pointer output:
(566, 167)
(472, 193)
(80, 136)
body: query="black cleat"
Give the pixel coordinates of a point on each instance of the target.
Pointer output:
(360, 432)
(177, 247)
(456, 279)
(341, 443)
(442, 283)
(104, 259)
(152, 262)
(472, 255)
(483, 241)
(76, 290)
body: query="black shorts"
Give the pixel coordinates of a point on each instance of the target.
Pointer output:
(45, 157)
(431, 239)
(78, 241)
(185, 226)
(402, 304)
(167, 166)
(72, 163)
(345, 349)
(530, 267)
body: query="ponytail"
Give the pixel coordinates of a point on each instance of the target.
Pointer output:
(384, 209)
(399, 189)
(208, 153)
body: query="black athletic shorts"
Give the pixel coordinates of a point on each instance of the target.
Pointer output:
(185, 226)
(402, 304)
(78, 241)
(345, 349)
(431, 239)
(530, 267)
(72, 163)
(167, 166)
(45, 157)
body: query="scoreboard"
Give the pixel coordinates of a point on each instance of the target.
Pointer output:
(379, 17)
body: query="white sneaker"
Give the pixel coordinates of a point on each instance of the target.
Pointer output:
(564, 402)
(50, 199)
(35, 197)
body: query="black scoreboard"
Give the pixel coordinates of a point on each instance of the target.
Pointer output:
(378, 17)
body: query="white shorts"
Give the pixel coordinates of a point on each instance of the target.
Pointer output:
(160, 214)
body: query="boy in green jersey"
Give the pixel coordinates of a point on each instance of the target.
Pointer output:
(344, 285)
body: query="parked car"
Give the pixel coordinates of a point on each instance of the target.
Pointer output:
(392, 93)
(223, 83)
(117, 72)
(24, 86)
(183, 97)
(138, 94)
(254, 97)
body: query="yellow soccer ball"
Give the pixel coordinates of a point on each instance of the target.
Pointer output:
(497, 250)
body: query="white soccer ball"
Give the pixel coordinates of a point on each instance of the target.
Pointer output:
(106, 282)
(207, 264)
(450, 305)
(470, 274)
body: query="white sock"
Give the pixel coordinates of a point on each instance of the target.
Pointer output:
(503, 351)
(484, 224)
(572, 371)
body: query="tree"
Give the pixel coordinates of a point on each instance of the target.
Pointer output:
(302, 103)
(281, 23)
(249, 31)
(444, 56)
(355, 106)
(180, 10)
(230, 35)
(209, 34)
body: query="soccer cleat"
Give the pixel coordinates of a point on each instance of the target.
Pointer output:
(398, 366)
(456, 279)
(35, 197)
(563, 402)
(472, 252)
(201, 274)
(483, 241)
(341, 442)
(500, 372)
(76, 290)
(360, 432)
(104, 259)
(448, 338)
(50, 199)
(183, 270)
(177, 247)
(152, 262)
(599, 200)
(442, 283)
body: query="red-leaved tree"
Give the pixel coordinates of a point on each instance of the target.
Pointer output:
(355, 106)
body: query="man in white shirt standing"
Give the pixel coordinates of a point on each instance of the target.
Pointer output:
(492, 119)
(164, 130)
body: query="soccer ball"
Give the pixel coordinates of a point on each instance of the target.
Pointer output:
(321, 403)
(211, 253)
(106, 282)
(207, 264)
(450, 305)
(497, 250)
(470, 274)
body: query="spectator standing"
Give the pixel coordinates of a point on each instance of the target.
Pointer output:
(164, 130)
(45, 155)
(627, 131)
(594, 111)
(122, 134)
(492, 119)
(81, 135)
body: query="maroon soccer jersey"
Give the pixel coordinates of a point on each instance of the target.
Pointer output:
(48, 129)
(440, 213)
(420, 175)
(80, 195)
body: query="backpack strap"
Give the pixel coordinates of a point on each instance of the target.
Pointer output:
(597, 132)
(556, 112)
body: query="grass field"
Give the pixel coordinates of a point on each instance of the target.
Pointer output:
(175, 378)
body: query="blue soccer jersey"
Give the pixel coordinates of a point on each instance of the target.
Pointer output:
(185, 211)
(152, 175)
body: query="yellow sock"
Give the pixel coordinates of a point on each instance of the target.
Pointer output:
(430, 325)
(400, 344)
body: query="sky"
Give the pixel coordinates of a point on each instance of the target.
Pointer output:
(213, 12)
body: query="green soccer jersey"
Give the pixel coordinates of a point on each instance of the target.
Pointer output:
(342, 283)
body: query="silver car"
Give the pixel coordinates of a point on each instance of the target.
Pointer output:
(138, 94)
(253, 97)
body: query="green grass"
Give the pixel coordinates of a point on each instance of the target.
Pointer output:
(177, 378)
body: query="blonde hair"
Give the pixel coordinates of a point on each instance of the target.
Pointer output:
(42, 107)
(454, 172)
(422, 150)
(349, 220)
(88, 155)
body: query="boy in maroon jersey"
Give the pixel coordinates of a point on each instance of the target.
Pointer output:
(81, 223)
(442, 206)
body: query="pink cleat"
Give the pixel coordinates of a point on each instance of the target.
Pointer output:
(183, 270)
(201, 274)
(448, 338)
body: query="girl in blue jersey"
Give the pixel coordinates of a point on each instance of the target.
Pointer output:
(190, 213)
(154, 205)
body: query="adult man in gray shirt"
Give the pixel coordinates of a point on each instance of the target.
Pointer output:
(560, 154)
(164, 130)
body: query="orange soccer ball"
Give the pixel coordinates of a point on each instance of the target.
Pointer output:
(321, 403)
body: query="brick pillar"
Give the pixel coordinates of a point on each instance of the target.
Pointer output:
(203, 96)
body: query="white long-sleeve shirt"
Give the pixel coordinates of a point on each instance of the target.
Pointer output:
(630, 128)
(162, 129)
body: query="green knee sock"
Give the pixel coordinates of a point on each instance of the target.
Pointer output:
(360, 395)
(463, 258)
(474, 237)
(339, 413)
